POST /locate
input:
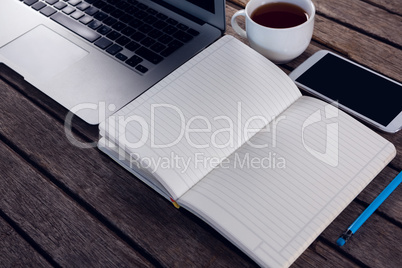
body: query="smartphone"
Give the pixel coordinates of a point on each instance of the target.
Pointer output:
(367, 95)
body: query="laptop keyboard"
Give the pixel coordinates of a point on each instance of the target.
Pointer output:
(126, 29)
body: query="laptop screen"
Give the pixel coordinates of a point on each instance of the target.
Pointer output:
(210, 11)
(208, 5)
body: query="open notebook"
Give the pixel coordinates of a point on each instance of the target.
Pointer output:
(229, 137)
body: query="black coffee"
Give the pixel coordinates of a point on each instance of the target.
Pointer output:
(279, 15)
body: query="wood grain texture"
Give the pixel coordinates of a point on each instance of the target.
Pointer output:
(375, 245)
(321, 255)
(393, 6)
(57, 224)
(15, 251)
(361, 16)
(393, 204)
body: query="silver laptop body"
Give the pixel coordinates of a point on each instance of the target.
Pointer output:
(62, 60)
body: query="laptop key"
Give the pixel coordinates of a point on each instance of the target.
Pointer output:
(109, 21)
(68, 10)
(108, 9)
(158, 47)
(59, 5)
(183, 27)
(30, 2)
(155, 34)
(51, 2)
(48, 11)
(126, 18)
(74, 2)
(141, 68)
(142, 6)
(121, 56)
(145, 28)
(103, 30)
(134, 60)
(138, 36)
(160, 24)
(94, 24)
(169, 29)
(128, 31)
(103, 43)
(152, 11)
(149, 55)
(172, 21)
(114, 49)
(123, 40)
(77, 14)
(86, 19)
(100, 16)
(83, 6)
(99, 4)
(91, 11)
(172, 47)
(38, 6)
(119, 26)
(182, 36)
(75, 26)
(135, 23)
(141, 15)
(164, 39)
(147, 41)
(132, 46)
(113, 35)
(161, 16)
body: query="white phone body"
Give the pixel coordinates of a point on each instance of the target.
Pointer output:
(367, 95)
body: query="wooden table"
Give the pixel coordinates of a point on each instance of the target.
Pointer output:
(65, 206)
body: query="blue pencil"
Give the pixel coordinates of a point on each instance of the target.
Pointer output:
(369, 210)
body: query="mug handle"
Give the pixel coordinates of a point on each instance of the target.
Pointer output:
(236, 26)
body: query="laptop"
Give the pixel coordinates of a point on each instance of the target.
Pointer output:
(95, 56)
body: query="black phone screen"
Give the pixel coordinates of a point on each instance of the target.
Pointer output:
(356, 88)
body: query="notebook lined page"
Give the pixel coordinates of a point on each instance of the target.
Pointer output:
(196, 117)
(273, 202)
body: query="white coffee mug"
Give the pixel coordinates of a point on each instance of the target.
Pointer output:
(280, 45)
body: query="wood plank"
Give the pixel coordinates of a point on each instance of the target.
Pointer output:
(321, 255)
(15, 251)
(375, 244)
(392, 206)
(365, 17)
(396, 139)
(393, 6)
(58, 225)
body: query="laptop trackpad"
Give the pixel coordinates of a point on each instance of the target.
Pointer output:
(42, 53)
